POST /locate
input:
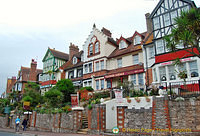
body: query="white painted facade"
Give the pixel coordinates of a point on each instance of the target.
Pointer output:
(111, 109)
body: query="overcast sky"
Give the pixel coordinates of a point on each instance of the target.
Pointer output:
(29, 27)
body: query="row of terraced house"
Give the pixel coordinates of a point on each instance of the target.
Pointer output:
(142, 58)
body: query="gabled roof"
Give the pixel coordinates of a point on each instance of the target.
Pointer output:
(131, 48)
(128, 42)
(60, 55)
(69, 64)
(57, 54)
(161, 1)
(26, 72)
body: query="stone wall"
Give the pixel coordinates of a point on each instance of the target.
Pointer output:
(138, 118)
(3, 122)
(185, 115)
(60, 122)
(97, 118)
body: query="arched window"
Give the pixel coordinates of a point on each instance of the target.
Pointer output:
(91, 49)
(96, 47)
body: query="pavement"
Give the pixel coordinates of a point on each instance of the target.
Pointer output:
(39, 133)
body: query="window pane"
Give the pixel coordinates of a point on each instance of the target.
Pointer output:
(166, 19)
(133, 79)
(193, 69)
(171, 71)
(159, 46)
(97, 47)
(135, 59)
(156, 23)
(119, 63)
(173, 16)
(86, 68)
(90, 67)
(155, 75)
(102, 84)
(162, 74)
(97, 84)
(97, 66)
(91, 49)
(102, 64)
(140, 79)
(108, 84)
(151, 52)
(137, 40)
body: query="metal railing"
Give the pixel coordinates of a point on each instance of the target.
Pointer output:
(184, 88)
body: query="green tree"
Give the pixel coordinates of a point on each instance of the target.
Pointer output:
(54, 97)
(186, 32)
(3, 103)
(32, 94)
(66, 87)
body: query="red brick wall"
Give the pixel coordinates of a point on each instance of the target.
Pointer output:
(149, 76)
(33, 71)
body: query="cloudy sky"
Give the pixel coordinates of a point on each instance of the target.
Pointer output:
(29, 27)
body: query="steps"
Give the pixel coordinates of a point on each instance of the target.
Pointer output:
(84, 127)
(83, 131)
(84, 121)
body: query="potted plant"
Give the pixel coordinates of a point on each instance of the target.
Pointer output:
(147, 99)
(128, 99)
(137, 99)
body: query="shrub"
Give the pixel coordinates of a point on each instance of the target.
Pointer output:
(89, 106)
(89, 88)
(102, 95)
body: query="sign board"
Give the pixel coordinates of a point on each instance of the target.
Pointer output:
(119, 95)
(26, 105)
(74, 100)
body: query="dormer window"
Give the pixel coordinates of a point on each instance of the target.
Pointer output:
(74, 60)
(137, 40)
(122, 44)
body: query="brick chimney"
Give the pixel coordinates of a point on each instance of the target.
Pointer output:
(148, 23)
(33, 71)
(72, 50)
(106, 32)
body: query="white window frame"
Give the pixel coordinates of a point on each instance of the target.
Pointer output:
(96, 47)
(102, 64)
(137, 40)
(119, 62)
(135, 59)
(141, 79)
(97, 66)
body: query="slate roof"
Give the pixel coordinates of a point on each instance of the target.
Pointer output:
(59, 54)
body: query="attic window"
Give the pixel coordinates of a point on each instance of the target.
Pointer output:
(74, 60)
(122, 44)
(137, 40)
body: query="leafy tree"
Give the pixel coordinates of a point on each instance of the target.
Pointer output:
(54, 97)
(3, 103)
(32, 94)
(186, 33)
(66, 87)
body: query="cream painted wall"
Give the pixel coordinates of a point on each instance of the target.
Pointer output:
(105, 48)
(127, 60)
